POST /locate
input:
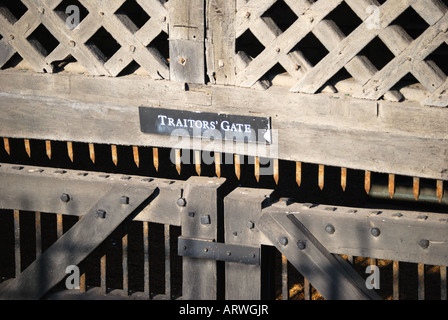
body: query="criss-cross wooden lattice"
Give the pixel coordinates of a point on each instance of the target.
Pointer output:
(134, 42)
(345, 51)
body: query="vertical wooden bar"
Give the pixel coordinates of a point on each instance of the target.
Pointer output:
(103, 287)
(421, 281)
(6, 145)
(396, 280)
(187, 35)
(146, 285)
(242, 210)
(167, 262)
(221, 41)
(306, 289)
(27, 147)
(155, 158)
(59, 226)
(285, 286)
(38, 227)
(199, 219)
(299, 173)
(17, 252)
(443, 283)
(124, 251)
(321, 178)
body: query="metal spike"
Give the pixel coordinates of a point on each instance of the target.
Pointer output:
(276, 171)
(257, 169)
(48, 148)
(136, 156)
(237, 159)
(391, 185)
(155, 158)
(197, 161)
(6, 145)
(114, 154)
(178, 161)
(416, 188)
(344, 178)
(27, 147)
(70, 150)
(299, 173)
(367, 177)
(321, 176)
(92, 152)
(439, 190)
(218, 164)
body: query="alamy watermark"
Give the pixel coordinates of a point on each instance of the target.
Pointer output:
(74, 17)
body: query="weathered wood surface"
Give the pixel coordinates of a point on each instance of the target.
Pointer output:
(400, 138)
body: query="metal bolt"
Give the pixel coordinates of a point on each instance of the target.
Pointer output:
(301, 244)
(65, 197)
(132, 48)
(250, 225)
(424, 243)
(182, 61)
(11, 37)
(124, 200)
(228, 253)
(247, 15)
(181, 202)
(375, 232)
(72, 43)
(205, 219)
(205, 249)
(101, 214)
(330, 228)
(41, 10)
(283, 241)
(191, 214)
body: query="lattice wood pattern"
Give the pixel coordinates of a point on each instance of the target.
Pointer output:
(344, 51)
(104, 19)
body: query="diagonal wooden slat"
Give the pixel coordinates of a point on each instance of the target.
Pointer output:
(285, 42)
(405, 62)
(349, 48)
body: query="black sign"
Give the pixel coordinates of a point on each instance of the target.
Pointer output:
(205, 125)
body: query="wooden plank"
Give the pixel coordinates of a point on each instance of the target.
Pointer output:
(187, 35)
(74, 246)
(221, 41)
(373, 131)
(242, 210)
(349, 48)
(201, 218)
(334, 278)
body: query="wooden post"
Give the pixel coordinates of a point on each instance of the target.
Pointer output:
(187, 49)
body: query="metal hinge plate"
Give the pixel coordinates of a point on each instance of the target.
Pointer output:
(208, 249)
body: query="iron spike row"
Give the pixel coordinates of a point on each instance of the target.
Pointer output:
(114, 154)
(321, 177)
(48, 148)
(155, 158)
(178, 161)
(391, 185)
(299, 173)
(197, 161)
(257, 169)
(218, 164)
(367, 177)
(27, 147)
(344, 178)
(237, 159)
(416, 188)
(70, 150)
(92, 152)
(276, 171)
(6, 146)
(136, 156)
(440, 190)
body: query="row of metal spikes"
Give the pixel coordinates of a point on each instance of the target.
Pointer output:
(237, 163)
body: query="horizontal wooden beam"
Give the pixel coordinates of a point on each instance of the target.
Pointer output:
(402, 138)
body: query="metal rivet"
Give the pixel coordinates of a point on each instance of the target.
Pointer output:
(301, 244)
(132, 48)
(205, 249)
(191, 214)
(330, 228)
(72, 43)
(181, 202)
(65, 197)
(250, 225)
(424, 243)
(124, 200)
(228, 253)
(283, 241)
(101, 214)
(375, 232)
